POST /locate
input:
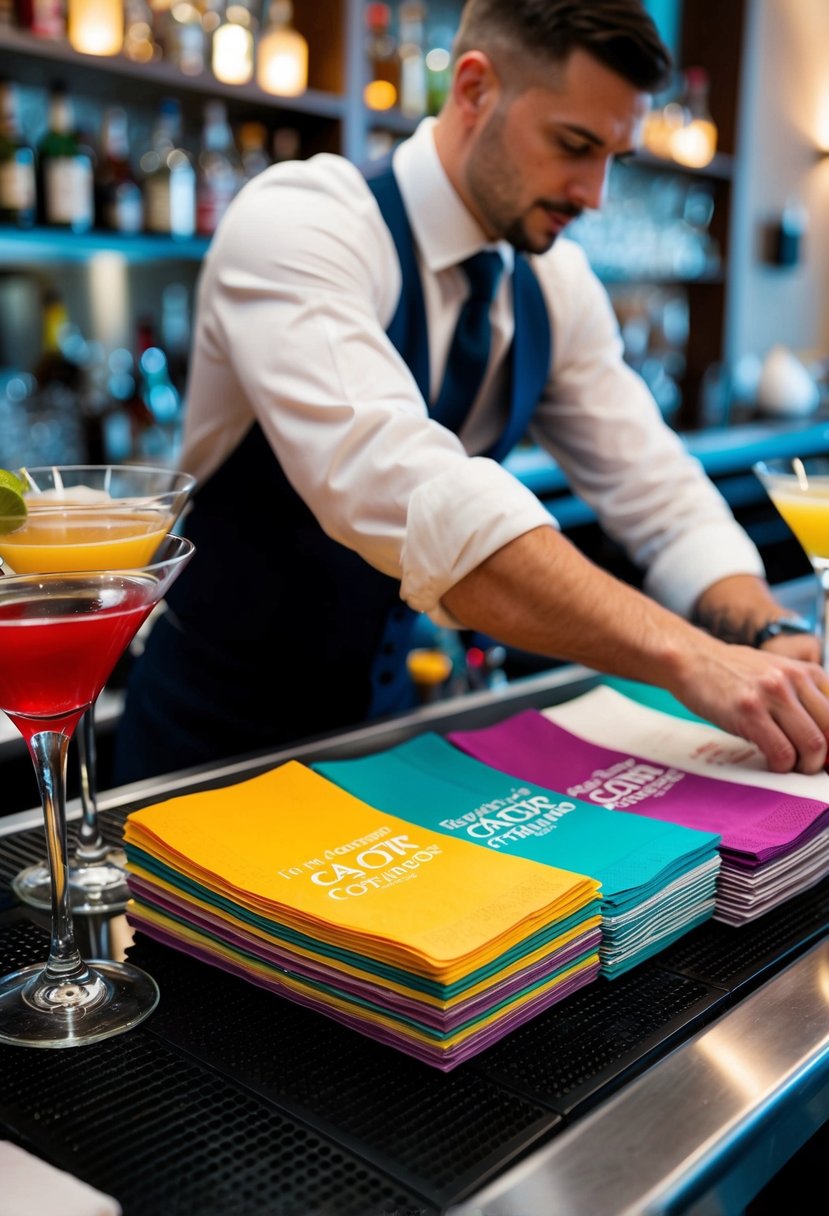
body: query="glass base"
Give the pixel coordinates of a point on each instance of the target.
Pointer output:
(36, 1011)
(94, 886)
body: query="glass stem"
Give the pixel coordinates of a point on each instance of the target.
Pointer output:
(49, 750)
(823, 616)
(90, 841)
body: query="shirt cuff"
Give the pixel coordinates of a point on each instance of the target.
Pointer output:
(680, 574)
(455, 522)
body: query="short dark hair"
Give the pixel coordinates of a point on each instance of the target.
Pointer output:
(619, 33)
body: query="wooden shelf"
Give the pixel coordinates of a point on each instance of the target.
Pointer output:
(27, 59)
(721, 167)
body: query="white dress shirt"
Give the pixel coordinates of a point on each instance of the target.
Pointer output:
(296, 292)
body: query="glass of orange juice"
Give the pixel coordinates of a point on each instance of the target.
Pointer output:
(799, 489)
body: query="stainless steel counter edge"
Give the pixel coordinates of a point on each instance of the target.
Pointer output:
(703, 1129)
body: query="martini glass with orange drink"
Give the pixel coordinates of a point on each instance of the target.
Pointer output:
(799, 489)
(61, 634)
(89, 517)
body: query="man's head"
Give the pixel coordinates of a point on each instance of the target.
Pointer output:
(545, 94)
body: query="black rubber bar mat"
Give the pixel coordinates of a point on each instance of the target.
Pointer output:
(578, 1053)
(168, 1136)
(440, 1134)
(733, 958)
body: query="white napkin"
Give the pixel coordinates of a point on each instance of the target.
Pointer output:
(29, 1185)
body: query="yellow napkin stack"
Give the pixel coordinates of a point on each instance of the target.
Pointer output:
(297, 884)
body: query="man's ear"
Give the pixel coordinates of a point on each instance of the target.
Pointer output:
(475, 85)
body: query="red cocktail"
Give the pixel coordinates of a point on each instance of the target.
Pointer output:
(60, 637)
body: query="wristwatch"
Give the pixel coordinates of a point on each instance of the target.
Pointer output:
(781, 626)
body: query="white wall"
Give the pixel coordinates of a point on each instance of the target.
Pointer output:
(784, 115)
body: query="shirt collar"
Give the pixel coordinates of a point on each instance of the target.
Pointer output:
(444, 231)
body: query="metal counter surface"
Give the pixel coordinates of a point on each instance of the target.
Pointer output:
(680, 1088)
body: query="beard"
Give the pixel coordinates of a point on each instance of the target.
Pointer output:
(493, 181)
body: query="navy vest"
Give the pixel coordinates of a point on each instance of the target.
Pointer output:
(297, 632)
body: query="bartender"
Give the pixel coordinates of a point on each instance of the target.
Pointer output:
(368, 347)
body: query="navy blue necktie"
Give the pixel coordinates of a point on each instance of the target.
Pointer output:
(469, 352)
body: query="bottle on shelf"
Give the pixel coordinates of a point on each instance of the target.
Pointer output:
(177, 27)
(119, 202)
(412, 59)
(95, 27)
(66, 193)
(18, 189)
(231, 55)
(45, 18)
(54, 364)
(252, 138)
(382, 89)
(139, 39)
(175, 333)
(169, 177)
(218, 169)
(695, 142)
(282, 54)
(286, 144)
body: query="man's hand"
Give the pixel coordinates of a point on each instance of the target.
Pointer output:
(777, 702)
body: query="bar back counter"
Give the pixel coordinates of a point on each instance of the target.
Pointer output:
(684, 1086)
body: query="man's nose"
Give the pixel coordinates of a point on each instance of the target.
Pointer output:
(588, 187)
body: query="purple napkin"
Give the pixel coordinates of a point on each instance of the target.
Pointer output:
(755, 824)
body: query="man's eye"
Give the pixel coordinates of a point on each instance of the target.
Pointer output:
(574, 149)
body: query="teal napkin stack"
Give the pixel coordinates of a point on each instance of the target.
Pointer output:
(657, 879)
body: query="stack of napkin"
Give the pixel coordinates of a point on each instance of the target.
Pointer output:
(657, 879)
(774, 826)
(422, 942)
(606, 748)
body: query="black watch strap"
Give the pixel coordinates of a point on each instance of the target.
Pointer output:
(781, 626)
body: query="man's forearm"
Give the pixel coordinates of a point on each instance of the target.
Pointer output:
(540, 594)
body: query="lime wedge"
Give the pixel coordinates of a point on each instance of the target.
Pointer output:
(13, 508)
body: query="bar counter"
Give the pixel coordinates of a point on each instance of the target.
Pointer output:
(683, 1086)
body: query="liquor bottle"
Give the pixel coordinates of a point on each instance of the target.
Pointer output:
(119, 203)
(218, 169)
(18, 191)
(139, 39)
(45, 18)
(65, 169)
(169, 178)
(232, 51)
(54, 366)
(253, 139)
(178, 29)
(176, 333)
(282, 53)
(383, 85)
(286, 144)
(412, 60)
(695, 142)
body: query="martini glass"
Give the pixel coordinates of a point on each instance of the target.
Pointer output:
(90, 517)
(799, 490)
(60, 637)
